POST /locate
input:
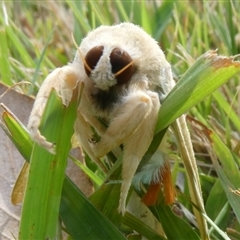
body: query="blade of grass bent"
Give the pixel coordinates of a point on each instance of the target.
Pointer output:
(43, 193)
(17, 132)
(208, 73)
(96, 179)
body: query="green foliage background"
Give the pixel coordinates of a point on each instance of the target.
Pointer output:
(35, 38)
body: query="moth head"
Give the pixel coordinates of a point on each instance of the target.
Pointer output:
(108, 68)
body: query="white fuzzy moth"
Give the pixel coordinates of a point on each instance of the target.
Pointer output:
(125, 75)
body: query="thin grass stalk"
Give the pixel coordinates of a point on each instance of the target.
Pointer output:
(187, 153)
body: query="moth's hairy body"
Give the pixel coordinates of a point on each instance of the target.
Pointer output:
(129, 105)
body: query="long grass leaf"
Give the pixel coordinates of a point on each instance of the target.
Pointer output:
(134, 223)
(207, 74)
(14, 39)
(47, 171)
(226, 107)
(173, 225)
(36, 72)
(4, 61)
(81, 218)
(228, 173)
(17, 132)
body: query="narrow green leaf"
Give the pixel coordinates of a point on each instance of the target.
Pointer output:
(4, 61)
(221, 28)
(98, 13)
(36, 72)
(122, 10)
(216, 198)
(12, 36)
(227, 108)
(162, 17)
(221, 210)
(145, 18)
(79, 15)
(87, 171)
(47, 171)
(82, 219)
(17, 133)
(207, 74)
(221, 233)
(173, 225)
(140, 227)
(106, 198)
(228, 173)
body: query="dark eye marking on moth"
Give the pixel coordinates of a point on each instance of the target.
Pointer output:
(92, 58)
(120, 59)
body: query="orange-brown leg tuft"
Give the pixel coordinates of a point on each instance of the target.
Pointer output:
(169, 190)
(151, 196)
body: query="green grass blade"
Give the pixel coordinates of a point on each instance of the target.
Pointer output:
(17, 133)
(106, 198)
(173, 225)
(96, 179)
(140, 227)
(98, 12)
(162, 17)
(218, 199)
(207, 74)
(228, 173)
(81, 218)
(227, 108)
(221, 233)
(145, 18)
(122, 10)
(221, 29)
(47, 171)
(36, 72)
(4, 62)
(19, 46)
(78, 14)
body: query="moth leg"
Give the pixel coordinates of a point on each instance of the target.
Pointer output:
(134, 127)
(134, 149)
(84, 132)
(63, 80)
(137, 106)
(98, 126)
